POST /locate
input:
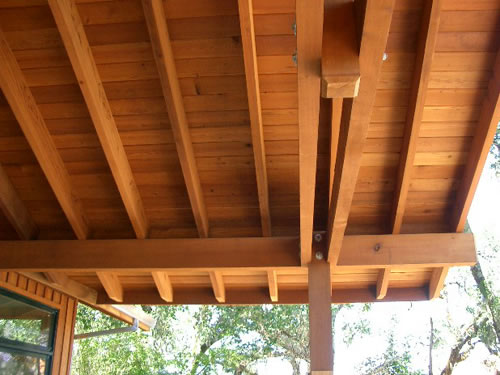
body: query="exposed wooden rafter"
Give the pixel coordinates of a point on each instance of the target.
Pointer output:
(255, 109)
(383, 283)
(340, 74)
(488, 122)
(272, 280)
(309, 43)
(112, 285)
(375, 251)
(164, 286)
(218, 286)
(30, 119)
(437, 281)
(425, 52)
(377, 21)
(158, 32)
(14, 209)
(77, 46)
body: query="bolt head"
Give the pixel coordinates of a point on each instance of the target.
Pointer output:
(318, 237)
(385, 57)
(318, 255)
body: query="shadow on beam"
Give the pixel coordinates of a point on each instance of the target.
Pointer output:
(205, 296)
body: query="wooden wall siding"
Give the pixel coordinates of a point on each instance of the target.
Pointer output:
(67, 307)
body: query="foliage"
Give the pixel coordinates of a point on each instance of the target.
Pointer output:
(395, 360)
(495, 151)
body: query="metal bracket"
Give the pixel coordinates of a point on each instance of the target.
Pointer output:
(132, 328)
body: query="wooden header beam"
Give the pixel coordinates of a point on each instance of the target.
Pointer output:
(377, 21)
(378, 251)
(340, 73)
(205, 296)
(154, 13)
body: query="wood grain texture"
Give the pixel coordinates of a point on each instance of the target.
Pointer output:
(112, 285)
(437, 281)
(255, 109)
(368, 251)
(320, 316)
(218, 286)
(272, 280)
(425, 52)
(377, 21)
(340, 73)
(154, 13)
(309, 45)
(487, 126)
(15, 210)
(383, 283)
(77, 46)
(164, 286)
(30, 119)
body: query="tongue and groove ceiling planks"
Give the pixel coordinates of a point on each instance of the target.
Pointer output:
(124, 120)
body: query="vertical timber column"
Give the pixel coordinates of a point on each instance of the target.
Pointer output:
(320, 318)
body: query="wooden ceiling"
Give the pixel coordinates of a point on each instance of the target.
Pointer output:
(124, 120)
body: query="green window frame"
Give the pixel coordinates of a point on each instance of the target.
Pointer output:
(16, 347)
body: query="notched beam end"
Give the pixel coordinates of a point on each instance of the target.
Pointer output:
(340, 86)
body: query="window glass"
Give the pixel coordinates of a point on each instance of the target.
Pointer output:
(26, 323)
(21, 364)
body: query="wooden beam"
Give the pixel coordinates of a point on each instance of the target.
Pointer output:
(112, 285)
(255, 110)
(259, 296)
(259, 253)
(164, 286)
(309, 15)
(437, 281)
(14, 209)
(320, 316)
(383, 282)
(30, 119)
(427, 41)
(334, 140)
(409, 250)
(71, 288)
(218, 287)
(340, 73)
(272, 280)
(483, 138)
(154, 13)
(377, 21)
(77, 46)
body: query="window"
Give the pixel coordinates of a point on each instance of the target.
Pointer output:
(27, 331)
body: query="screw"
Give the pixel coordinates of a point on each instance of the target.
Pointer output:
(295, 58)
(294, 28)
(318, 237)
(377, 247)
(318, 255)
(385, 57)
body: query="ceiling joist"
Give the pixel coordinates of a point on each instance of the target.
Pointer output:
(154, 13)
(217, 281)
(255, 110)
(112, 285)
(164, 286)
(31, 121)
(272, 280)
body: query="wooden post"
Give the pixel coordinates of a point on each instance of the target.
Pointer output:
(320, 318)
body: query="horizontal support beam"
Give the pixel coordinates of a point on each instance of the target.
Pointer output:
(258, 296)
(407, 250)
(376, 251)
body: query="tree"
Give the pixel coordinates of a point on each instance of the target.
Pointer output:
(495, 151)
